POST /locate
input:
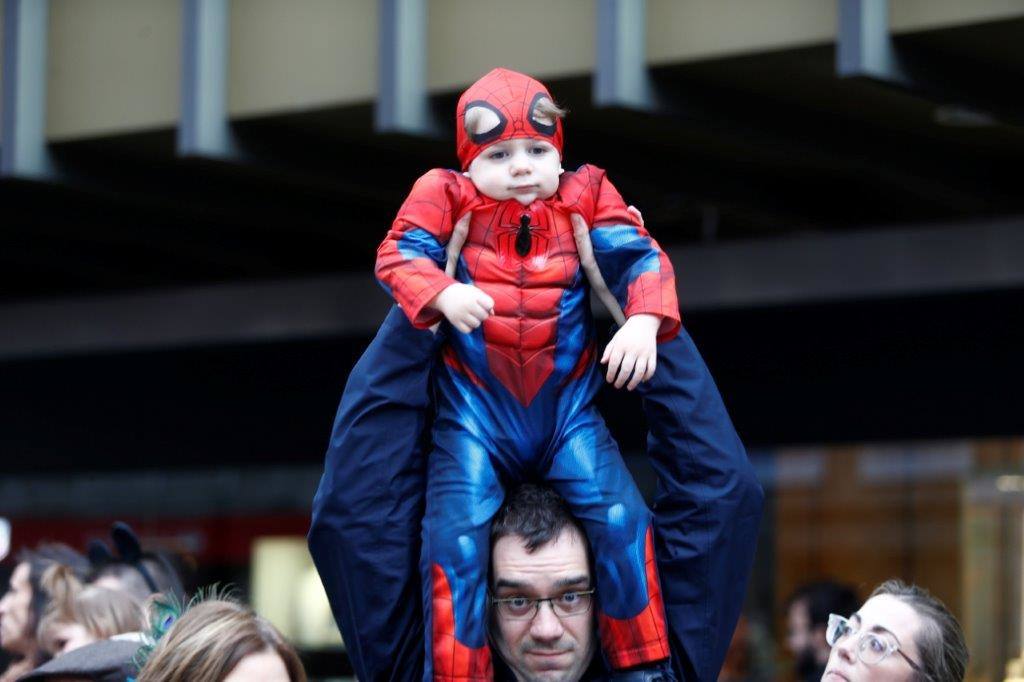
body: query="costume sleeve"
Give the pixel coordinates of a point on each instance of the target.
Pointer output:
(706, 512)
(634, 267)
(411, 259)
(365, 532)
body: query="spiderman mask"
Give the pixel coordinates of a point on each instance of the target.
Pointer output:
(504, 105)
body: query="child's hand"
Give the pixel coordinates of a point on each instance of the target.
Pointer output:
(465, 306)
(633, 351)
(635, 212)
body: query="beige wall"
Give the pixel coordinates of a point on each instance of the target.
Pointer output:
(114, 64)
(683, 30)
(916, 15)
(540, 37)
(698, 29)
(296, 54)
(1, 69)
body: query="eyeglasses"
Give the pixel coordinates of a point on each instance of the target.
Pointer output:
(872, 648)
(564, 605)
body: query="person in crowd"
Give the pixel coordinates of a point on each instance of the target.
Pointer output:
(900, 634)
(127, 578)
(365, 539)
(220, 640)
(807, 611)
(131, 569)
(22, 607)
(81, 614)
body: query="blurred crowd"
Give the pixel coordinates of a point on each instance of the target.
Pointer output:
(119, 614)
(900, 632)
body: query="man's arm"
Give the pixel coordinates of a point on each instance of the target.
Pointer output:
(364, 536)
(707, 508)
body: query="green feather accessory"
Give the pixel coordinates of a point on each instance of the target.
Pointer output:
(164, 610)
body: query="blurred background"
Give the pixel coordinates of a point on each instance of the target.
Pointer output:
(192, 192)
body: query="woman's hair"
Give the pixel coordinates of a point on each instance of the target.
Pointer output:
(38, 561)
(940, 642)
(101, 611)
(209, 640)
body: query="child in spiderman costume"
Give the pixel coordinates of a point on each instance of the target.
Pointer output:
(504, 251)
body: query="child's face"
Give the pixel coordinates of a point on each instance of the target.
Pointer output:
(523, 169)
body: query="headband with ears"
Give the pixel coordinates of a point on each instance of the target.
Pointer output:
(129, 551)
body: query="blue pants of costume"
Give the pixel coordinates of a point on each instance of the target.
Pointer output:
(561, 439)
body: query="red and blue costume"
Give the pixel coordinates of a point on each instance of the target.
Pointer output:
(365, 538)
(515, 398)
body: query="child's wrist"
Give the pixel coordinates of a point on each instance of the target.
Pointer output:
(647, 321)
(435, 301)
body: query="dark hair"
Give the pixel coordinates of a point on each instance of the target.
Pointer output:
(823, 598)
(39, 560)
(940, 642)
(535, 513)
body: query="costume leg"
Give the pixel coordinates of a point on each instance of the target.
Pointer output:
(588, 471)
(463, 494)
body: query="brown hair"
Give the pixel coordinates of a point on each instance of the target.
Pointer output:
(545, 110)
(209, 640)
(41, 558)
(940, 642)
(101, 611)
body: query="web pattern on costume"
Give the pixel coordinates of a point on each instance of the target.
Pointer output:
(515, 398)
(410, 261)
(526, 375)
(637, 270)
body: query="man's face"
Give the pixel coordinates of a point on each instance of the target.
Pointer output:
(546, 647)
(523, 169)
(16, 614)
(891, 620)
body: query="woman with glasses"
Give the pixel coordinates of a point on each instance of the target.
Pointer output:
(900, 633)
